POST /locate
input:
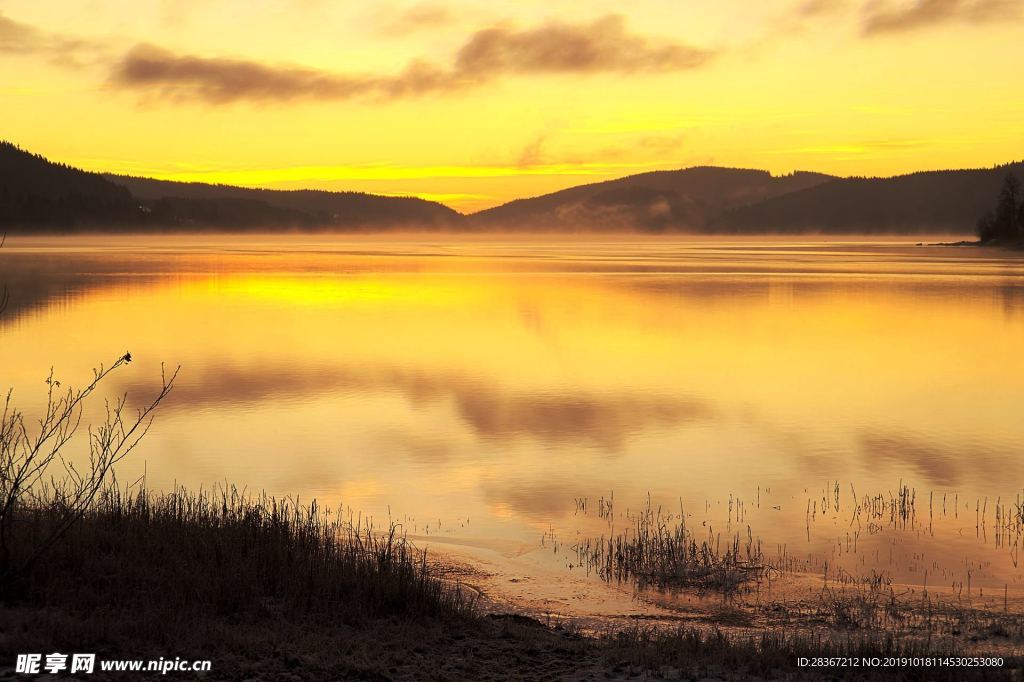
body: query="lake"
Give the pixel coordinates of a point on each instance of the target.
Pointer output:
(479, 390)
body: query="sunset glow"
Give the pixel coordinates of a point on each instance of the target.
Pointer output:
(473, 105)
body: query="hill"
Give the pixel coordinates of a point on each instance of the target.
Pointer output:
(687, 200)
(933, 201)
(225, 206)
(710, 200)
(39, 195)
(36, 193)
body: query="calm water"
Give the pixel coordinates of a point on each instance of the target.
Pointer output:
(475, 390)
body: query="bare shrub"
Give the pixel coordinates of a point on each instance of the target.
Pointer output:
(34, 464)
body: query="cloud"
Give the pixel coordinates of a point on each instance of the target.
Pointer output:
(793, 22)
(603, 46)
(218, 81)
(656, 148)
(556, 47)
(533, 153)
(19, 38)
(422, 16)
(816, 8)
(175, 13)
(22, 39)
(882, 16)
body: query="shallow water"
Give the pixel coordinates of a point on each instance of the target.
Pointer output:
(475, 390)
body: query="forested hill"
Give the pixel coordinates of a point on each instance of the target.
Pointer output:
(687, 200)
(710, 200)
(210, 204)
(37, 195)
(935, 201)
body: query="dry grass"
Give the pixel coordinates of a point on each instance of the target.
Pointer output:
(274, 589)
(659, 550)
(224, 553)
(774, 654)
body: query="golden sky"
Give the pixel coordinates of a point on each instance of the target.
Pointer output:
(474, 103)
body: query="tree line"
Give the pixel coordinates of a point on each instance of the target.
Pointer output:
(1004, 223)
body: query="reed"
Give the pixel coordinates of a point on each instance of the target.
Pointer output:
(659, 550)
(225, 552)
(272, 588)
(775, 653)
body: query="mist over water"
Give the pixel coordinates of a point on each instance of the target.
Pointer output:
(475, 389)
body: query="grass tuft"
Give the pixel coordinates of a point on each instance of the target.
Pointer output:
(225, 553)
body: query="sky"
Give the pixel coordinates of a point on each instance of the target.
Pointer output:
(477, 103)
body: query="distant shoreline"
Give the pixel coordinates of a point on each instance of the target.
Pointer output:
(39, 195)
(959, 243)
(978, 243)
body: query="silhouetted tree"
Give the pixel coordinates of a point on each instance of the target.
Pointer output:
(1007, 207)
(986, 227)
(1006, 223)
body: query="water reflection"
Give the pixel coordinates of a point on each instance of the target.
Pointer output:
(941, 465)
(498, 381)
(603, 421)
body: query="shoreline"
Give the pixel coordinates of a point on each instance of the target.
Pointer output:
(792, 602)
(265, 588)
(976, 243)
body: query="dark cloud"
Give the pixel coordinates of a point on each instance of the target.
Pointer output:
(601, 46)
(882, 16)
(217, 81)
(556, 47)
(18, 38)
